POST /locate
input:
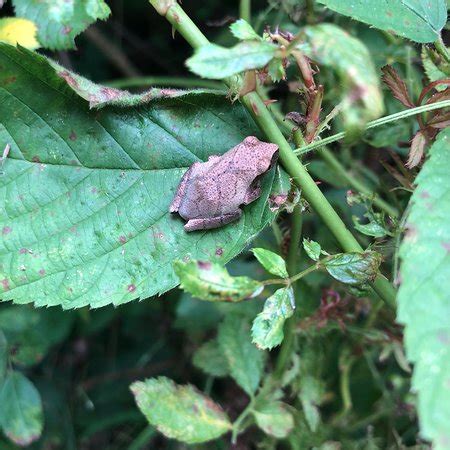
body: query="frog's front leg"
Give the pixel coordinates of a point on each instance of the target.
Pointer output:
(212, 222)
(175, 205)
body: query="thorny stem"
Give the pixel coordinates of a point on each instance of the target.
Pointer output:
(374, 124)
(300, 176)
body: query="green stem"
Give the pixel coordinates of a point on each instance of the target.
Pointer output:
(245, 10)
(236, 428)
(294, 244)
(358, 185)
(292, 263)
(300, 176)
(143, 438)
(164, 81)
(338, 168)
(374, 124)
(442, 49)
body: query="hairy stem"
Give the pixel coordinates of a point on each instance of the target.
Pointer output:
(164, 81)
(300, 176)
(374, 124)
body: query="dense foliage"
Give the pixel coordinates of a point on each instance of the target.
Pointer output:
(329, 326)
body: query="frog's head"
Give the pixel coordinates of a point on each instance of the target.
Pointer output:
(263, 155)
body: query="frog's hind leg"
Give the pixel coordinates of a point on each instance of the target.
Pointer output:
(212, 222)
(175, 205)
(253, 193)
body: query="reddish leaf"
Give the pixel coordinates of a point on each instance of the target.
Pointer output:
(396, 85)
(440, 120)
(417, 149)
(431, 86)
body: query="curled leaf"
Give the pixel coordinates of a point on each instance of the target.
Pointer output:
(211, 281)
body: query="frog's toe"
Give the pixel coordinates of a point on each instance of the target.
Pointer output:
(212, 222)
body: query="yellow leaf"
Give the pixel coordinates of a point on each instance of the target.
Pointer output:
(14, 30)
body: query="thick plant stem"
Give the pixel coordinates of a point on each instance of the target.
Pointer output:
(300, 176)
(245, 10)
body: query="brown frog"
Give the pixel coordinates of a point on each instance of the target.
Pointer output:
(210, 193)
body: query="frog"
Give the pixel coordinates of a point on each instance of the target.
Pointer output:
(211, 193)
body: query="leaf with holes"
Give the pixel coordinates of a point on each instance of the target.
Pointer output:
(267, 329)
(180, 412)
(60, 21)
(423, 298)
(21, 414)
(84, 198)
(212, 282)
(418, 20)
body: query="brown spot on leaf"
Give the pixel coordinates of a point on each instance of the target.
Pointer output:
(73, 136)
(122, 239)
(446, 246)
(204, 265)
(66, 30)
(9, 80)
(6, 230)
(36, 159)
(219, 251)
(41, 272)
(425, 194)
(24, 251)
(131, 288)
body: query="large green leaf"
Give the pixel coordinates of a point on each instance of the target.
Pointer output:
(21, 415)
(180, 412)
(335, 49)
(418, 20)
(423, 298)
(60, 21)
(84, 198)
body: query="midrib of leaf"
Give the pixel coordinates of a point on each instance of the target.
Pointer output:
(416, 13)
